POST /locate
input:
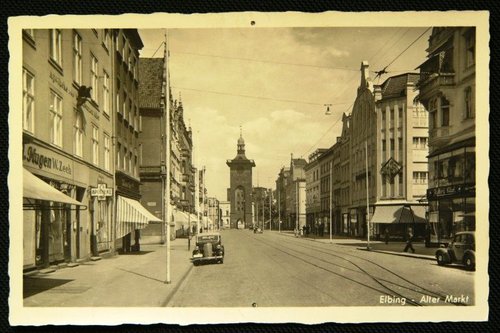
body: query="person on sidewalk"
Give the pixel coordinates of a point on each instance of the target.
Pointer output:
(386, 235)
(409, 240)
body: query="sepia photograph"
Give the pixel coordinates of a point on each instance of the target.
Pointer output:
(248, 167)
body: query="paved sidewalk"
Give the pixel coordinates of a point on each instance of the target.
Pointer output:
(122, 280)
(394, 248)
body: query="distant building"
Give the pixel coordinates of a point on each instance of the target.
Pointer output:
(313, 202)
(296, 193)
(282, 198)
(240, 187)
(448, 91)
(225, 214)
(325, 163)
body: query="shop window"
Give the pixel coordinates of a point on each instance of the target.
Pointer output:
(28, 101)
(56, 114)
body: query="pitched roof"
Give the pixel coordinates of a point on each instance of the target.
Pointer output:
(395, 86)
(150, 82)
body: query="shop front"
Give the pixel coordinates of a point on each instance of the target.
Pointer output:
(396, 219)
(47, 221)
(452, 191)
(131, 216)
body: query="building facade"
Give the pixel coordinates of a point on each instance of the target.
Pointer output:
(313, 202)
(67, 143)
(225, 214)
(447, 90)
(240, 190)
(296, 193)
(282, 198)
(325, 162)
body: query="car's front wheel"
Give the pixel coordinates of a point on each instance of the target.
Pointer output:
(440, 259)
(469, 262)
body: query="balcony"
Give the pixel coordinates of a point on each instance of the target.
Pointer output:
(437, 71)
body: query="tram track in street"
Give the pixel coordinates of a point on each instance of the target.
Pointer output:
(409, 290)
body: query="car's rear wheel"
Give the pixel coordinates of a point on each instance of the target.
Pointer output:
(469, 263)
(440, 259)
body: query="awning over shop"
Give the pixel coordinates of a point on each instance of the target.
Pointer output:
(194, 219)
(399, 214)
(35, 188)
(180, 219)
(131, 215)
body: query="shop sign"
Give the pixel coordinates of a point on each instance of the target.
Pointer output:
(391, 168)
(56, 79)
(101, 192)
(451, 190)
(45, 159)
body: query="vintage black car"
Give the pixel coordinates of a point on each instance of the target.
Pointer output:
(208, 249)
(462, 250)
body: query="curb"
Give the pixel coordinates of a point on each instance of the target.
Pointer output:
(177, 287)
(408, 255)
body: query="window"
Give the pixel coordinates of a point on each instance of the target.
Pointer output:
(124, 106)
(392, 147)
(470, 48)
(420, 177)
(469, 104)
(28, 101)
(445, 112)
(125, 157)
(94, 64)
(78, 134)
(433, 113)
(77, 58)
(30, 33)
(56, 114)
(95, 145)
(119, 156)
(130, 167)
(420, 143)
(136, 165)
(56, 46)
(400, 117)
(106, 94)
(107, 152)
(106, 39)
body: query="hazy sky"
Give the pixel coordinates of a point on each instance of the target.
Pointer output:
(273, 82)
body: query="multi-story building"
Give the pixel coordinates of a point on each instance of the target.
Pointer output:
(225, 214)
(447, 90)
(213, 213)
(282, 198)
(313, 203)
(344, 201)
(67, 144)
(131, 216)
(325, 164)
(259, 200)
(388, 145)
(296, 193)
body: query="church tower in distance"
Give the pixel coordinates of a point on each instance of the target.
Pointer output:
(240, 191)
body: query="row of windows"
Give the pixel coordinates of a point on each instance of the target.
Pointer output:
(439, 109)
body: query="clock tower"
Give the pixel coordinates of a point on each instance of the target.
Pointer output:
(239, 194)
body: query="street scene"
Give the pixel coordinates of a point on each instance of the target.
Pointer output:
(250, 167)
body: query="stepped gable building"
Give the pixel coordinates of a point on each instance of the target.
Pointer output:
(240, 190)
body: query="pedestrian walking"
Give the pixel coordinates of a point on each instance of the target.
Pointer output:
(386, 235)
(321, 229)
(409, 240)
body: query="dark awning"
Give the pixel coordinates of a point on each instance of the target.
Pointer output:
(399, 214)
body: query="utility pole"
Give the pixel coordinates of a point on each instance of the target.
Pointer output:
(168, 131)
(367, 199)
(270, 208)
(331, 195)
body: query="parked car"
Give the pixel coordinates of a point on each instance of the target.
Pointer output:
(208, 248)
(461, 250)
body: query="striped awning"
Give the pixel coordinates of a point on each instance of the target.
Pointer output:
(399, 214)
(180, 219)
(131, 215)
